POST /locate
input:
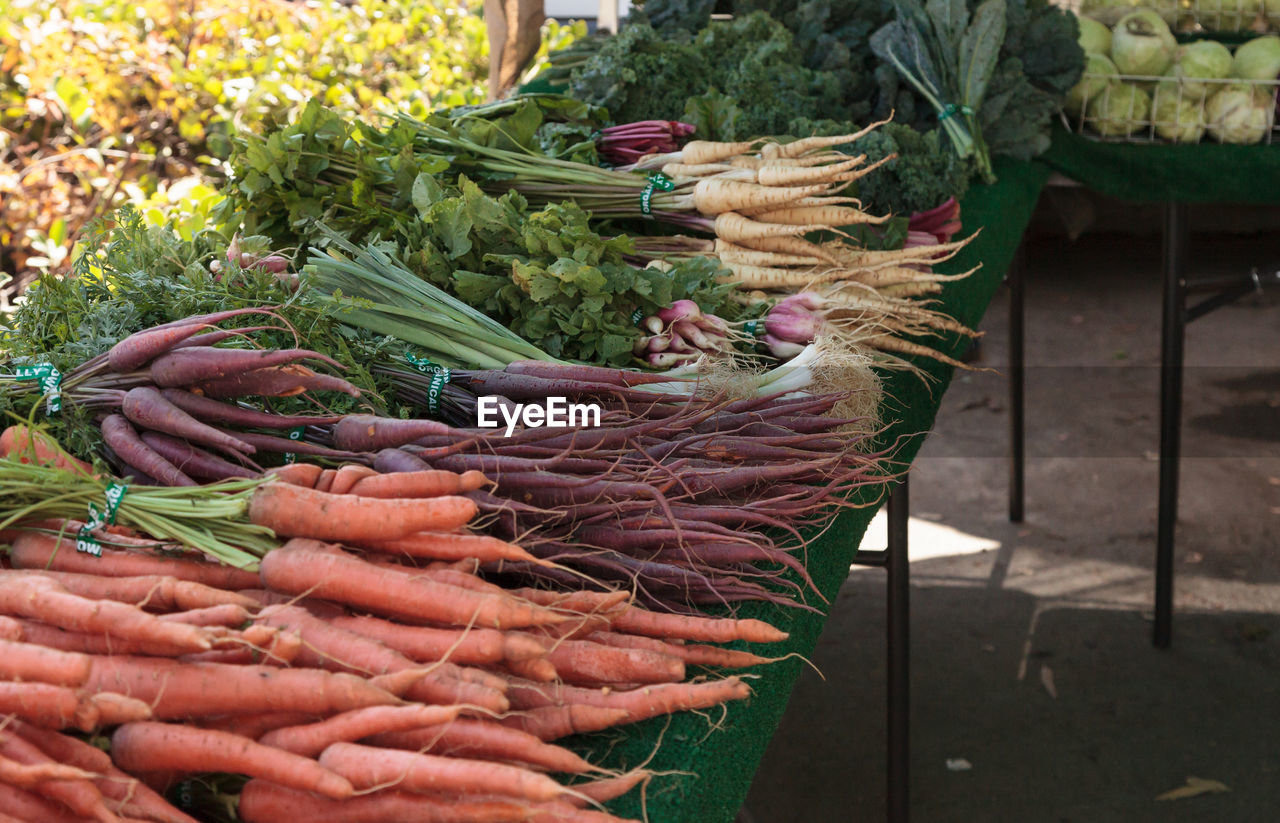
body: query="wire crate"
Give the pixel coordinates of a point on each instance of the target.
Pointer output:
(1187, 16)
(1181, 119)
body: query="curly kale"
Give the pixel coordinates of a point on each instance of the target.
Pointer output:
(924, 174)
(642, 74)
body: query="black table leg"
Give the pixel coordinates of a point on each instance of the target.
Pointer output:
(899, 579)
(1173, 335)
(1017, 418)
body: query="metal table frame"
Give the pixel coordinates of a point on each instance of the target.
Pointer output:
(1176, 315)
(897, 568)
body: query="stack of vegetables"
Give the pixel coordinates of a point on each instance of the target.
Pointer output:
(380, 684)
(1139, 83)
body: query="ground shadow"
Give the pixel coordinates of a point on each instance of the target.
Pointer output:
(1128, 723)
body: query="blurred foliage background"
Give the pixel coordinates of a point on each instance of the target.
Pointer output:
(106, 102)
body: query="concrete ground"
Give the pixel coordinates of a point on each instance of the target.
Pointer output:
(1031, 655)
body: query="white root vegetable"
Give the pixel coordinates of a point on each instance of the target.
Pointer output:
(820, 215)
(733, 253)
(715, 195)
(825, 200)
(696, 152)
(788, 245)
(703, 170)
(738, 229)
(808, 144)
(774, 175)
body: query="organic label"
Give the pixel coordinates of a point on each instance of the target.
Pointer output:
(657, 180)
(85, 541)
(294, 434)
(50, 382)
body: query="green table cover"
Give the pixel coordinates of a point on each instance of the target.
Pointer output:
(720, 762)
(1166, 172)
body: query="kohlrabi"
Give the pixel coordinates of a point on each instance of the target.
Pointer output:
(1095, 38)
(1099, 72)
(1120, 110)
(1201, 60)
(1259, 59)
(1177, 118)
(1142, 44)
(1241, 113)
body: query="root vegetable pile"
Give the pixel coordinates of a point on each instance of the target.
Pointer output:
(346, 684)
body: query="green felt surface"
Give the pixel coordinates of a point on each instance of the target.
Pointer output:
(1164, 172)
(721, 763)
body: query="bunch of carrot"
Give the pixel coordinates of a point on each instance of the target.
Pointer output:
(380, 684)
(686, 500)
(160, 396)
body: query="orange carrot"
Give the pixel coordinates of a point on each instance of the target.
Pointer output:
(635, 620)
(324, 482)
(27, 445)
(484, 740)
(114, 709)
(40, 598)
(10, 629)
(304, 567)
(689, 653)
(154, 592)
(328, 647)
(350, 475)
(28, 775)
(585, 663)
(564, 812)
(126, 795)
(639, 704)
(36, 633)
(292, 511)
(428, 645)
(152, 746)
(32, 808)
(312, 739)
(582, 602)
(298, 474)
(29, 661)
(230, 615)
(609, 788)
(263, 802)
(367, 767)
(54, 707)
(185, 690)
(554, 722)
(437, 545)
(426, 483)
(254, 726)
(43, 551)
(539, 669)
(80, 796)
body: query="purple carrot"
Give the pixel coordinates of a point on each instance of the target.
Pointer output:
(118, 434)
(370, 433)
(146, 407)
(140, 348)
(214, 337)
(283, 445)
(282, 381)
(193, 461)
(215, 411)
(390, 461)
(203, 364)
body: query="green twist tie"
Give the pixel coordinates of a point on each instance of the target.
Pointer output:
(50, 382)
(85, 541)
(636, 317)
(657, 180)
(951, 110)
(750, 327)
(294, 434)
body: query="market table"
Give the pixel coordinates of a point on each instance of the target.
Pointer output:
(719, 754)
(1172, 175)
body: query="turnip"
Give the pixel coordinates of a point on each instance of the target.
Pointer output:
(1142, 44)
(1119, 111)
(1240, 113)
(1201, 60)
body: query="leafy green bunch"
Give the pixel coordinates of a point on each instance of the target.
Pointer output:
(547, 274)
